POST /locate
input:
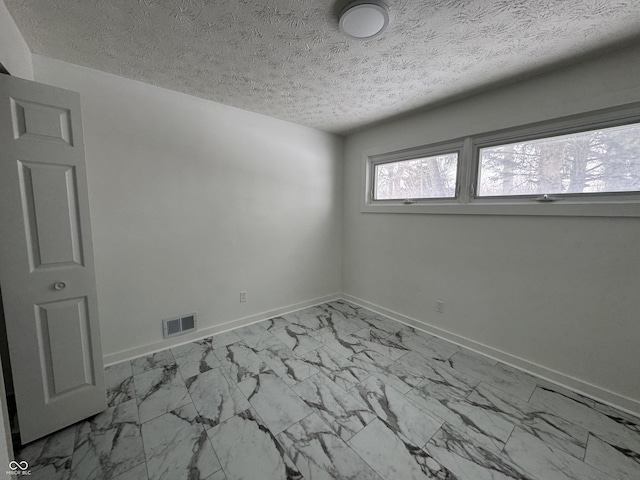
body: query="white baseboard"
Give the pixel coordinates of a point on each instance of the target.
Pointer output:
(150, 348)
(577, 385)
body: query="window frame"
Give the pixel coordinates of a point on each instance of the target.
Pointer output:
(414, 154)
(467, 202)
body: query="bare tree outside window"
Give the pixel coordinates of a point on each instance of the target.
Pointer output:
(599, 161)
(417, 178)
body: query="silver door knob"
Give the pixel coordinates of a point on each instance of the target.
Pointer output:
(59, 285)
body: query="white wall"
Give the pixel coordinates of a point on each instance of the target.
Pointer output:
(193, 201)
(552, 293)
(14, 52)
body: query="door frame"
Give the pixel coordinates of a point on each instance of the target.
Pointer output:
(5, 422)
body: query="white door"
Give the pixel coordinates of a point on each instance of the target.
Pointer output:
(46, 259)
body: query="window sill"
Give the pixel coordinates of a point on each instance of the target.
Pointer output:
(560, 208)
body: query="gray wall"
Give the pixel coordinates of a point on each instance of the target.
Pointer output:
(14, 52)
(556, 295)
(192, 202)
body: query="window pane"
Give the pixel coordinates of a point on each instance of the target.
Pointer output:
(598, 161)
(426, 177)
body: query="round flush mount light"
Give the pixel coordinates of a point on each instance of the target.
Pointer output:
(364, 19)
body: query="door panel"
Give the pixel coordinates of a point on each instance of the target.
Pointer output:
(49, 205)
(33, 121)
(65, 347)
(46, 259)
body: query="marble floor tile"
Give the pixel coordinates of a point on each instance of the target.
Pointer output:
(423, 343)
(371, 319)
(338, 322)
(223, 339)
(216, 396)
(320, 454)
(378, 323)
(475, 355)
(338, 319)
(363, 312)
(219, 475)
(440, 374)
(118, 381)
(345, 308)
(256, 337)
(545, 462)
(374, 340)
(150, 362)
(297, 338)
(159, 391)
(631, 421)
(240, 361)
(108, 444)
(470, 461)
(393, 458)
(550, 428)
(340, 342)
(274, 324)
(176, 446)
(566, 392)
(613, 430)
(443, 347)
(342, 412)
(307, 320)
(315, 310)
(251, 328)
(278, 406)
(336, 392)
(416, 341)
(396, 411)
(619, 463)
(341, 316)
(289, 366)
(339, 369)
(195, 358)
(482, 426)
(136, 473)
(390, 372)
(58, 470)
(247, 450)
(52, 451)
(508, 379)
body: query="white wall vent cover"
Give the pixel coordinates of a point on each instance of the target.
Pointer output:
(173, 327)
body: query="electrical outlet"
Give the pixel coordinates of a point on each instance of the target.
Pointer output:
(440, 306)
(243, 297)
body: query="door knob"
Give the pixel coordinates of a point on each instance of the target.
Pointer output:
(59, 285)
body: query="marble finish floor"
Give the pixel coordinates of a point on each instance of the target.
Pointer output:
(336, 392)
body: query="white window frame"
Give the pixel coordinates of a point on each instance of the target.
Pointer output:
(411, 154)
(623, 204)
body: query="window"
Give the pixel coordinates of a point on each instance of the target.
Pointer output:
(581, 165)
(604, 160)
(417, 178)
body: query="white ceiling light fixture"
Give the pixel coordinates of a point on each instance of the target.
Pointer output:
(364, 19)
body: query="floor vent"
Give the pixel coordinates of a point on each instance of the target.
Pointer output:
(179, 326)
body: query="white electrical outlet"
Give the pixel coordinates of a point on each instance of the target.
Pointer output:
(440, 306)
(243, 297)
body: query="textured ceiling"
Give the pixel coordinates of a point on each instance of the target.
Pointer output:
(287, 58)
